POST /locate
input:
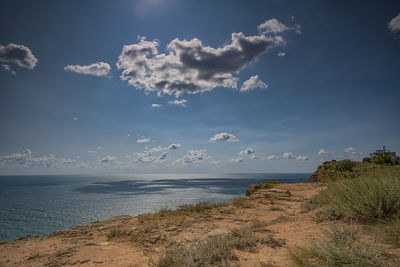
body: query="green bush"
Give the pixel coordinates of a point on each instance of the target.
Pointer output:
(367, 159)
(345, 165)
(383, 159)
(368, 199)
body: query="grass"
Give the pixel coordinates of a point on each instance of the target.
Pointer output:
(388, 232)
(367, 199)
(115, 233)
(255, 187)
(213, 250)
(272, 242)
(199, 207)
(315, 202)
(239, 201)
(340, 248)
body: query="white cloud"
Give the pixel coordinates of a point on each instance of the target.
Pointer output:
(236, 160)
(224, 137)
(174, 146)
(247, 151)
(281, 54)
(143, 140)
(19, 55)
(323, 152)
(75, 118)
(252, 83)
(8, 68)
(107, 159)
(91, 151)
(288, 155)
(301, 158)
(156, 105)
(271, 157)
(394, 24)
(27, 160)
(216, 162)
(272, 26)
(181, 103)
(95, 69)
(350, 152)
(192, 157)
(189, 66)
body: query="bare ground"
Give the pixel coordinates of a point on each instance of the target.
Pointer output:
(134, 241)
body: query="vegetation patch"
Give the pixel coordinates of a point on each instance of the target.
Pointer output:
(340, 248)
(367, 199)
(212, 250)
(115, 233)
(255, 187)
(199, 207)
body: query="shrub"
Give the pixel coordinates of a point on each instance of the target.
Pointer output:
(212, 250)
(366, 159)
(340, 248)
(344, 165)
(383, 159)
(116, 233)
(254, 187)
(368, 199)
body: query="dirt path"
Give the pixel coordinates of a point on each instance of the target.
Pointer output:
(133, 241)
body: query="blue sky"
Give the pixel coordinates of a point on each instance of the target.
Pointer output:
(239, 86)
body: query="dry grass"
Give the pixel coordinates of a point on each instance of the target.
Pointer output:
(213, 250)
(340, 248)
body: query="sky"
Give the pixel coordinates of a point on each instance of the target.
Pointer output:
(170, 86)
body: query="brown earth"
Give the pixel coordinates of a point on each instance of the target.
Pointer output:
(134, 241)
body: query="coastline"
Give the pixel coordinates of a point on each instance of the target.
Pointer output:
(135, 241)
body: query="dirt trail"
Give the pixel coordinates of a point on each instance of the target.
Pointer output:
(133, 241)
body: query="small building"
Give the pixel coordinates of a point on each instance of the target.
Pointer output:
(392, 155)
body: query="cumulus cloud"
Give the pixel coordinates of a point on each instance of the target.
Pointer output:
(252, 83)
(224, 137)
(273, 26)
(301, 158)
(174, 146)
(156, 105)
(91, 151)
(271, 157)
(192, 157)
(237, 160)
(288, 155)
(143, 140)
(394, 24)
(281, 54)
(322, 152)
(191, 67)
(181, 103)
(148, 155)
(27, 160)
(247, 151)
(95, 69)
(19, 55)
(107, 159)
(8, 68)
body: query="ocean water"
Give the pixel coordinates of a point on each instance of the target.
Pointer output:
(42, 204)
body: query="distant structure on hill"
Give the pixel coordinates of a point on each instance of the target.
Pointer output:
(392, 155)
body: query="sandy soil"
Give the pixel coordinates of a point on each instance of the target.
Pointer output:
(138, 239)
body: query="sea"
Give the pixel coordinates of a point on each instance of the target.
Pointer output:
(42, 204)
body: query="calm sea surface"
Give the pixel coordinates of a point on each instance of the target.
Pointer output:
(42, 204)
